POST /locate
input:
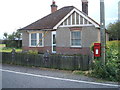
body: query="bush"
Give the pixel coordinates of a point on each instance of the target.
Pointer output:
(111, 70)
(13, 43)
(34, 52)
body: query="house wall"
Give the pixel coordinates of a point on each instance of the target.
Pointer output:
(47, 39)
(107, 36)
(47, 42)
(63, 37)
(89, 35)
(25, 39)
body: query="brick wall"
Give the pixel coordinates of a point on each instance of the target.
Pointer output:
(71, 50)
(39, 49)
(61, 50)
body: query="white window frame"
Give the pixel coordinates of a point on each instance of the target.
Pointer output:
(33, 39)
(71, 38)
(37, 39)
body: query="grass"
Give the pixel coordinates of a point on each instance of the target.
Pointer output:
(86, 73)
(3, 48)
(2, 45)
(10, 49)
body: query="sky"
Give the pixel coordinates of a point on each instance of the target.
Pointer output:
(16, 14)
(119, 11)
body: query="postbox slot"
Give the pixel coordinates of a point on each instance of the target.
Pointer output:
(97, 49)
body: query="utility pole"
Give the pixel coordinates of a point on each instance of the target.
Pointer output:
(102, 31)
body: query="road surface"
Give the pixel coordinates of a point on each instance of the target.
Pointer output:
(18, 77)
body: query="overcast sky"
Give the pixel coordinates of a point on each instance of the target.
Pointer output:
(16, 14)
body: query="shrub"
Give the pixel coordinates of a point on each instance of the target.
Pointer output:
(111, 70)
(11, 44)
(35, 52)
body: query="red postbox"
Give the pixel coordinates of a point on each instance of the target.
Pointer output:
(97, 49)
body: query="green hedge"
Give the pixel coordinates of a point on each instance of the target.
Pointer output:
(111, 70)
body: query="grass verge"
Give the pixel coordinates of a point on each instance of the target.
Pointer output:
(7, 49)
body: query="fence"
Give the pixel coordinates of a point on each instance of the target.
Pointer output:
(54, 61)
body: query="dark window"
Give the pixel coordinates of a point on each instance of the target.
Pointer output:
(75, 38)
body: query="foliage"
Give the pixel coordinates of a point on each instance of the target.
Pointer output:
(5, 35)
(34, 52)
(114, 29)
(10, 39)
(112, 67)
(11, 43)
(86, 73)
(14, 36)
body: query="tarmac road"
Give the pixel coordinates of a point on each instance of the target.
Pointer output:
(26, 77)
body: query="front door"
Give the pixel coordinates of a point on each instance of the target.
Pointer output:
(54, 42)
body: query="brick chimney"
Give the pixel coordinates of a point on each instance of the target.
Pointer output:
(53, 7)
(85, 6)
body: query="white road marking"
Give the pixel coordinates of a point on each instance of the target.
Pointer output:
(63, 79)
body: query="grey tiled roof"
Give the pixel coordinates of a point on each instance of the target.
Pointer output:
(49, 21)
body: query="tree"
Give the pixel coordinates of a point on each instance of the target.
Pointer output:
(114, 29)
(5, 35)
(11, 36)
(13, 39)
(18, 36)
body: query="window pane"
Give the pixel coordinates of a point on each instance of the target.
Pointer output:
(34, 36)
(33, 42)
(54, 39)
(76, 35)
(76, 38)
(40, 35)
(33, 39)
(76, 42)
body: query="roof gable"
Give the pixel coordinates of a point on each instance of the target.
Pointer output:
(76, 18)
